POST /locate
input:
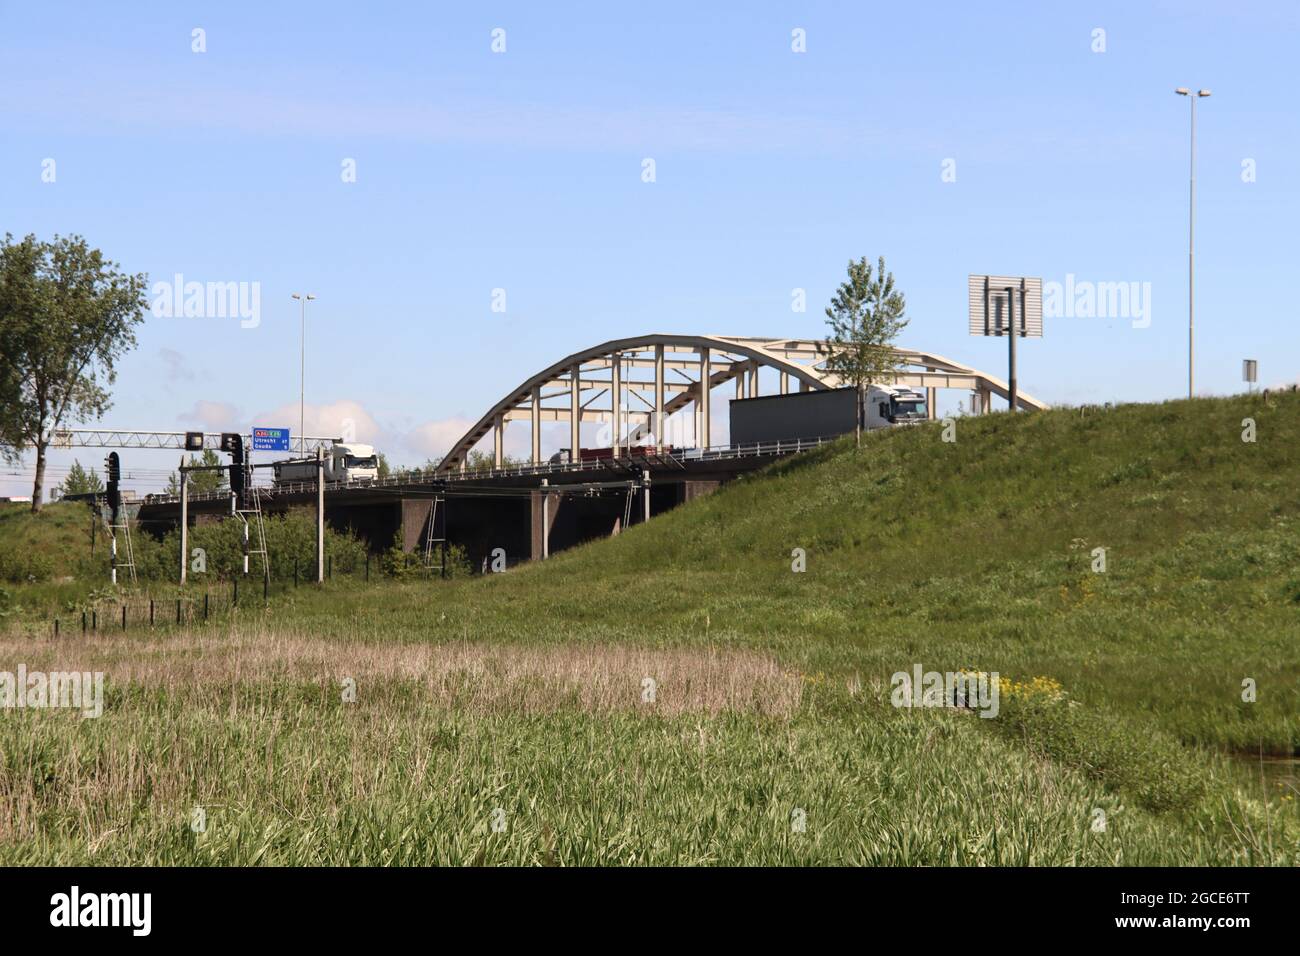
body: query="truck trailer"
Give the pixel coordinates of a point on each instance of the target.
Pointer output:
(822, 414)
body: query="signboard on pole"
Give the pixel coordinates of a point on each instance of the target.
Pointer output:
(270, 439)
(991, 305)
(1010, 306)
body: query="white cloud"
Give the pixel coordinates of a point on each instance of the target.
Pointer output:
(434, 439)
(347, 418)
(342, 419)
(211, 416)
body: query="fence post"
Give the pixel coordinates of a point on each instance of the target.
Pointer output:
(367, 567)
(178, 611)
(56, 627)
(151, 612)
(83, 622)
(94, 619)
(205, 605)
(295, 572)
(234, 602)
(124, 617)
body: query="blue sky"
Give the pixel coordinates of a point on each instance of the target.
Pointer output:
(522, 170)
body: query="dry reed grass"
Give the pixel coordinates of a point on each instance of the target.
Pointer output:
(477, 678)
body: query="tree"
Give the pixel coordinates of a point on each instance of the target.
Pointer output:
(485, 461)
(865, 316)
(66, 316)
(201, 482)
(79, 482)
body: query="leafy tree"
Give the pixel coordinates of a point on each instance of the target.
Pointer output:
(66, 316)
(79, 482)
(397, 563)
(484, 461)
(201, 482)
(865, 316)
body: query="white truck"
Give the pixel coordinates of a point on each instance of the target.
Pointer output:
(822, 413)
(351, 462)
(889, 405)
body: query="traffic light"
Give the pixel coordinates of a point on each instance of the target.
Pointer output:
(113, 469)
(233, 442)
(194, 441)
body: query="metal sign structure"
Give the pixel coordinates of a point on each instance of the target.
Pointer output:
(1010, 306)
(270, 439)
(1249, 371)
(136, 438)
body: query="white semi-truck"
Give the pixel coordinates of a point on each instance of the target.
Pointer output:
(823, 413)
(350, 462)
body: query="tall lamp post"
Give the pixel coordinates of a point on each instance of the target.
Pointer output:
(302, 371)
(1191, 245)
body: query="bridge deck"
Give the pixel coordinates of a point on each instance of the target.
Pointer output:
(718, 463)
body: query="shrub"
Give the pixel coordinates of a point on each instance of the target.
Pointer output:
(397, 563)
(25, 566)
(1154, 768)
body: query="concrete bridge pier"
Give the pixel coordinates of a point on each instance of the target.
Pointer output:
(690, 490)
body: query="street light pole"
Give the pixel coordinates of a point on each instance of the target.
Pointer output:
(302, 372)
(1191, 245)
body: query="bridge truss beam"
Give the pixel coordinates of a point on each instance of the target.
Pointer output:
(637, 384)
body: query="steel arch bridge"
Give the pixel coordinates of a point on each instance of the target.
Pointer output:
(637, 384)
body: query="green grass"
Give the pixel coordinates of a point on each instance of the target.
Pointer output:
(391, 782)
(55, 539)
(974, 554)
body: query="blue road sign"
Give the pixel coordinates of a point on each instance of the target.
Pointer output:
(270, 439)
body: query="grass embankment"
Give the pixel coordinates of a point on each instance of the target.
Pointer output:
(44, 557)
(973, 554)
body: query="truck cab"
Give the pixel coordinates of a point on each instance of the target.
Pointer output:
(352, 462)
(889, 406)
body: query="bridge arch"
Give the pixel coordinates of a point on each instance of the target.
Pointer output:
(626, 371)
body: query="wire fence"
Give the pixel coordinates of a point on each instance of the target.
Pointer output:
(119, 615)
(217, 601)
